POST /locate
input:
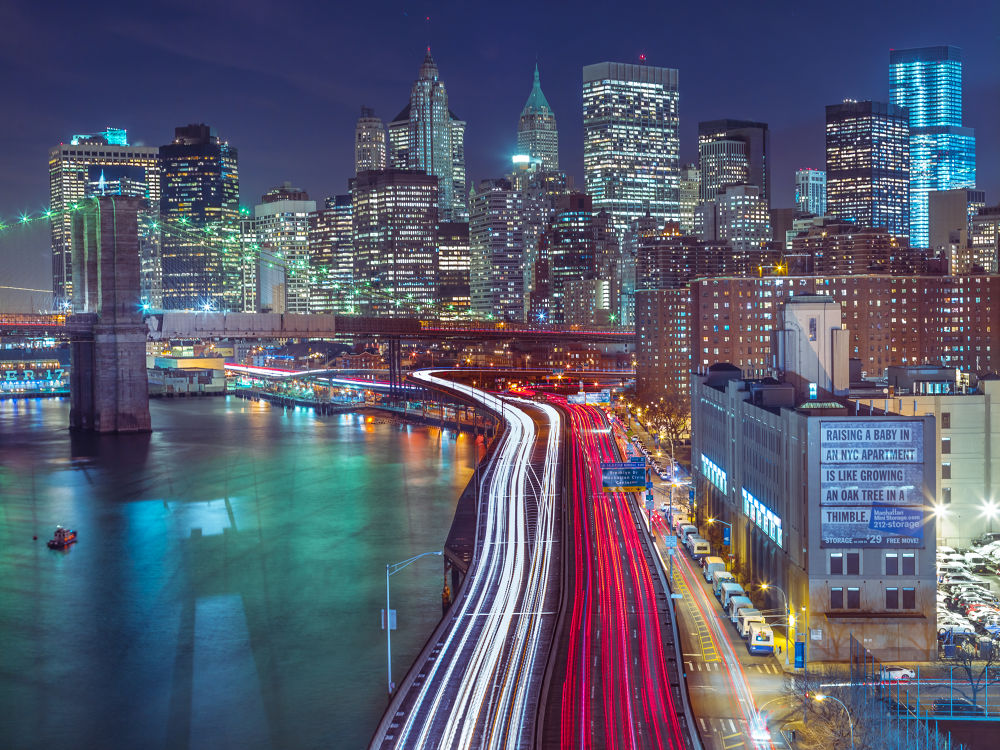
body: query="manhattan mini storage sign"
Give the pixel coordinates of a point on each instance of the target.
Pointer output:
(871, 483)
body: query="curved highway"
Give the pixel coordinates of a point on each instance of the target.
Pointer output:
(477, 684)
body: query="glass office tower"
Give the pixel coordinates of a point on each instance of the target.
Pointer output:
(928, 82)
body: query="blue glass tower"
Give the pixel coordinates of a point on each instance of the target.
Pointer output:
(928, 82)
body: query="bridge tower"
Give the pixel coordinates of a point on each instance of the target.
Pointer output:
(108, 386)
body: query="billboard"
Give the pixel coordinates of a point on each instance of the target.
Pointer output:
(872, 483)
(617, 477)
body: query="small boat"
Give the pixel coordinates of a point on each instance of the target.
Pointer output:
(62, 538)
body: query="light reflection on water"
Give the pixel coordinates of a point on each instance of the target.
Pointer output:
(227, 584)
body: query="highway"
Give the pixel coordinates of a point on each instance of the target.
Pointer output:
(477, 683)
(616, 687)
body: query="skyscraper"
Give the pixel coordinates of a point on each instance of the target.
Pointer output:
(690, 190)
(496, 251)
(868, 165)
(200, 182)
(331, 256)
(369, 142)
(395, 219)
(928, 82)
(428, 136)
(92, 165)
(742, 218)
(282, 228)
(537, 134)
(810, 191)
(734, 152)
(453, 269)
(631, 142)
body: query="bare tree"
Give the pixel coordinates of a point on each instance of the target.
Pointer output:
(978, 673)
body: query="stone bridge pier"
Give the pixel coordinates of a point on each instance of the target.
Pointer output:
(108, 386)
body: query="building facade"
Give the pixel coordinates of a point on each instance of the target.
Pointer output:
(631, 142)
(497, 251)
(537, 133)
(453, 295)
(281, 227)
(77, 171)
(394, 217)
(742, 218)
(810, 191)
(928, 82)
(734, 152)
(199, 208)
(868, 165)
(690, 192)
(331, 257)
(948, 215)
(370, 143)
(984, 240)
(832, 508)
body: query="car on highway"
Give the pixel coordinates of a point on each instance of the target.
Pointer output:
(957, 707)
(897, 673)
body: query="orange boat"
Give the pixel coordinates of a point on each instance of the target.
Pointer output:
(62, 538)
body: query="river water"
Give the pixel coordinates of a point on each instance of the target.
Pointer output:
(226, 586)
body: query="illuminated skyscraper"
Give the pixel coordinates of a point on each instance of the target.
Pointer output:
(690, 190)
(395, 221)
(497, 250)
(453, 269)
(631, 142)
(369, 142)
(331, 256)
(281, 222)
(734, 152)
(868, 165)
(75, 173)
(537, 134)
(928, 82)
(200, 183)
(810, 191)
(428, 136)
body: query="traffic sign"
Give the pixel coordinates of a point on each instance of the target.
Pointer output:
(726, 538)
(622, 477)
(669, 541)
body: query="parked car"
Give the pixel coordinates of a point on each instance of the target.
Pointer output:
(983, 539)
(897, 673)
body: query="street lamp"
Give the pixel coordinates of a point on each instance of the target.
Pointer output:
(990, 511)
(389, 621)
(850, 722)
(711, 521)
(788, 635)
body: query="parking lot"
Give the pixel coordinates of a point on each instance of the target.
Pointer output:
(968, 597)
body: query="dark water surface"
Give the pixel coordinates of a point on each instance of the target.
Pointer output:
(226, 586)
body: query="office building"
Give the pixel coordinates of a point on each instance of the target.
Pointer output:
(984, 241)
(742, 218)
(868, 165)
(833, 247)
(331, 257)
(928, 82)
(631, 142)
(690, 191)
(948, 215)
(734, 152)
(281, 222)
(810, 191)
(496, 251)
(537, 134)
(84, 168)
(967, 441)
(370, 146)
(200, 184)
(453, 295)
(828, 505)
(395, 220)
(427, 136)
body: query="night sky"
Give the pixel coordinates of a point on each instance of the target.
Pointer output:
(284, 82)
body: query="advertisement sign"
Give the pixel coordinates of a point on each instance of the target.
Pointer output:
(871, 483)
(726, 536)
(617, 477)
(800, 654)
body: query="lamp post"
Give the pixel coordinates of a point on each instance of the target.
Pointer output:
(850, 722)
(788, 635)
(711, 521)
(390, 570)
(990, 510)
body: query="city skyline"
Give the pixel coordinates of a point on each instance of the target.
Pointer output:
(487, 84)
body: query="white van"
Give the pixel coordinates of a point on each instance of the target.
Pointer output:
(685, 530)
(760, 639)
(720, 577)
(951, 569)
(736, 603)
(698, 547)
(747, 617)
(712, 564)
(728, 590)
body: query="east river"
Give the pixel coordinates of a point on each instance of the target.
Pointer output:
(226, 586)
